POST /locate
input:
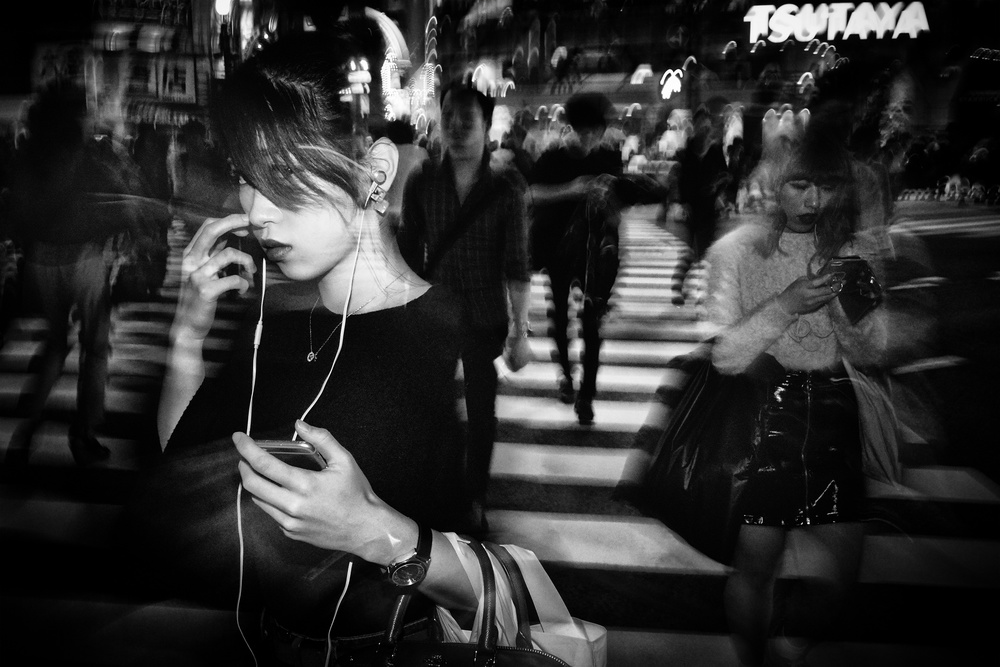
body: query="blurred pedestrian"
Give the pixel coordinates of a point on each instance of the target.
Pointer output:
(66, 203)
(779, 311)
(574, 236)
(465, 226)
(704, 179)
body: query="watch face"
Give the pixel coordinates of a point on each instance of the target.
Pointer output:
(408, 574)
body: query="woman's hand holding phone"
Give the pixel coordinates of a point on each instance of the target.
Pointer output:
(334, 508)
(808, 294)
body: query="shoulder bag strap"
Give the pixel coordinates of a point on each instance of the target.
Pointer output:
(434, 257)
(519, 592)
(464, 221)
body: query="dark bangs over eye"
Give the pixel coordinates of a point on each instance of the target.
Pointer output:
(829, 169)
(285, 141)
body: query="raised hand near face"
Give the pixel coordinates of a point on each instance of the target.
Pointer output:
(202, 272)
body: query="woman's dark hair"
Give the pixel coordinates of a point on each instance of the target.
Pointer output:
(588, 110)
(285, 122)
(462, 90)
(824, 160)
(399, 132)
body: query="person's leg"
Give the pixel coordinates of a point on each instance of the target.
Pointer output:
(590, 319)
(595, 306)
(829, 558)
(94, 306)
(481, 347)
(47, 290)
(559, 282)
(749, 592)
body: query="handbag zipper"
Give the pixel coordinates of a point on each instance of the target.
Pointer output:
(557, 660)
(805, 443)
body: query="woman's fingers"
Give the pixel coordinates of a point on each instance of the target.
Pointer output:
(203, 244)
(331, 450)
(266, 477)
(203, 271)
(206, 236)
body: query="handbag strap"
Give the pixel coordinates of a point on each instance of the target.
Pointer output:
(486, 646)
(518, 590)
(435, 256)
(488, 630)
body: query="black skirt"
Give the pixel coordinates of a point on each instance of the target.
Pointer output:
(805, 466)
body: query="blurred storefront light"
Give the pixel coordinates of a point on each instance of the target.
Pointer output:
(113, 36)
(641, 73)
(670, 83)
(155, 38)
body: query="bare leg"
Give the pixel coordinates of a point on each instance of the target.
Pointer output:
(749, 594)
(832, 559)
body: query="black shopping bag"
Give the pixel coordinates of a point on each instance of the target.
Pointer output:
(697, 470)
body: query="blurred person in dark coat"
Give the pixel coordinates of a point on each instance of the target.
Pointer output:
(66, 202)
(576, 219)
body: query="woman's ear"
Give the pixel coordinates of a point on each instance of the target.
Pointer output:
(384, 160)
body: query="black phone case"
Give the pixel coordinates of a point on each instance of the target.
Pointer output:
(861, 292)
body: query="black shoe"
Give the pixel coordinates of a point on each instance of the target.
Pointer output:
(584, 411)
(87, 450)
(566, 392)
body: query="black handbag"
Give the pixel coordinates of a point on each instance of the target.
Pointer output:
(698, 468)
(398, 651)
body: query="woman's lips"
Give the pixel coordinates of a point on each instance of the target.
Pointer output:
(275, 252)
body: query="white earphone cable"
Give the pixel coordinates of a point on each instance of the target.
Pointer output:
(343, 330)
(258, 331)
(253, 383)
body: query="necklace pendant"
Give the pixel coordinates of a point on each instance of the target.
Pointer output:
(311, 357)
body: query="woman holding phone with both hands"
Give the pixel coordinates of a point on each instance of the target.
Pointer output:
(356, 356)
(780, 317)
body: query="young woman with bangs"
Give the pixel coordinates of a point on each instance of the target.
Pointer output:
(780, 319)
(352, 353)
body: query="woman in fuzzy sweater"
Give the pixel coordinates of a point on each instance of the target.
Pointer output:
(778, 309)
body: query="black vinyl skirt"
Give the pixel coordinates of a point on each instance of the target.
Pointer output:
(805, 468)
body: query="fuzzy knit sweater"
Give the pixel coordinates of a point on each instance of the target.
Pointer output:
(742, 302)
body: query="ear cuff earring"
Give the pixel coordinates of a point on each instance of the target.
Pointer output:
(376, 193)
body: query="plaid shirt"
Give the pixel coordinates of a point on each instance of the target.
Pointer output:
(492, 249)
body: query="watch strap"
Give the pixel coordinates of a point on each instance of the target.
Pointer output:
(421, 555)
(424, 541)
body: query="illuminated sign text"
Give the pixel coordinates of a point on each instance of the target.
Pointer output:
(836, 19)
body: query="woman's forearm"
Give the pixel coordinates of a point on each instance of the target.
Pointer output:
(740, 344)
(185, 371)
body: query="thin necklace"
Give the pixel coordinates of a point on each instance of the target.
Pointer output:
(313, 356)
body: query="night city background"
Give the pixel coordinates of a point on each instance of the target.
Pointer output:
(916, 86)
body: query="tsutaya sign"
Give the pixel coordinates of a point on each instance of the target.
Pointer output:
(837, 19)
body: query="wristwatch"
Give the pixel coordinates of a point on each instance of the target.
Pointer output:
(411, 570)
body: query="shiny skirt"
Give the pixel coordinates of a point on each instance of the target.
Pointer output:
(805, 466)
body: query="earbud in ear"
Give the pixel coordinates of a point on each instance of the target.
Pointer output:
(376, 193)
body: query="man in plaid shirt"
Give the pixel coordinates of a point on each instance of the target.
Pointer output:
(465, 225)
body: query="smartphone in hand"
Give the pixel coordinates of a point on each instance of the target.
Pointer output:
(295, 453)
(860, 291)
